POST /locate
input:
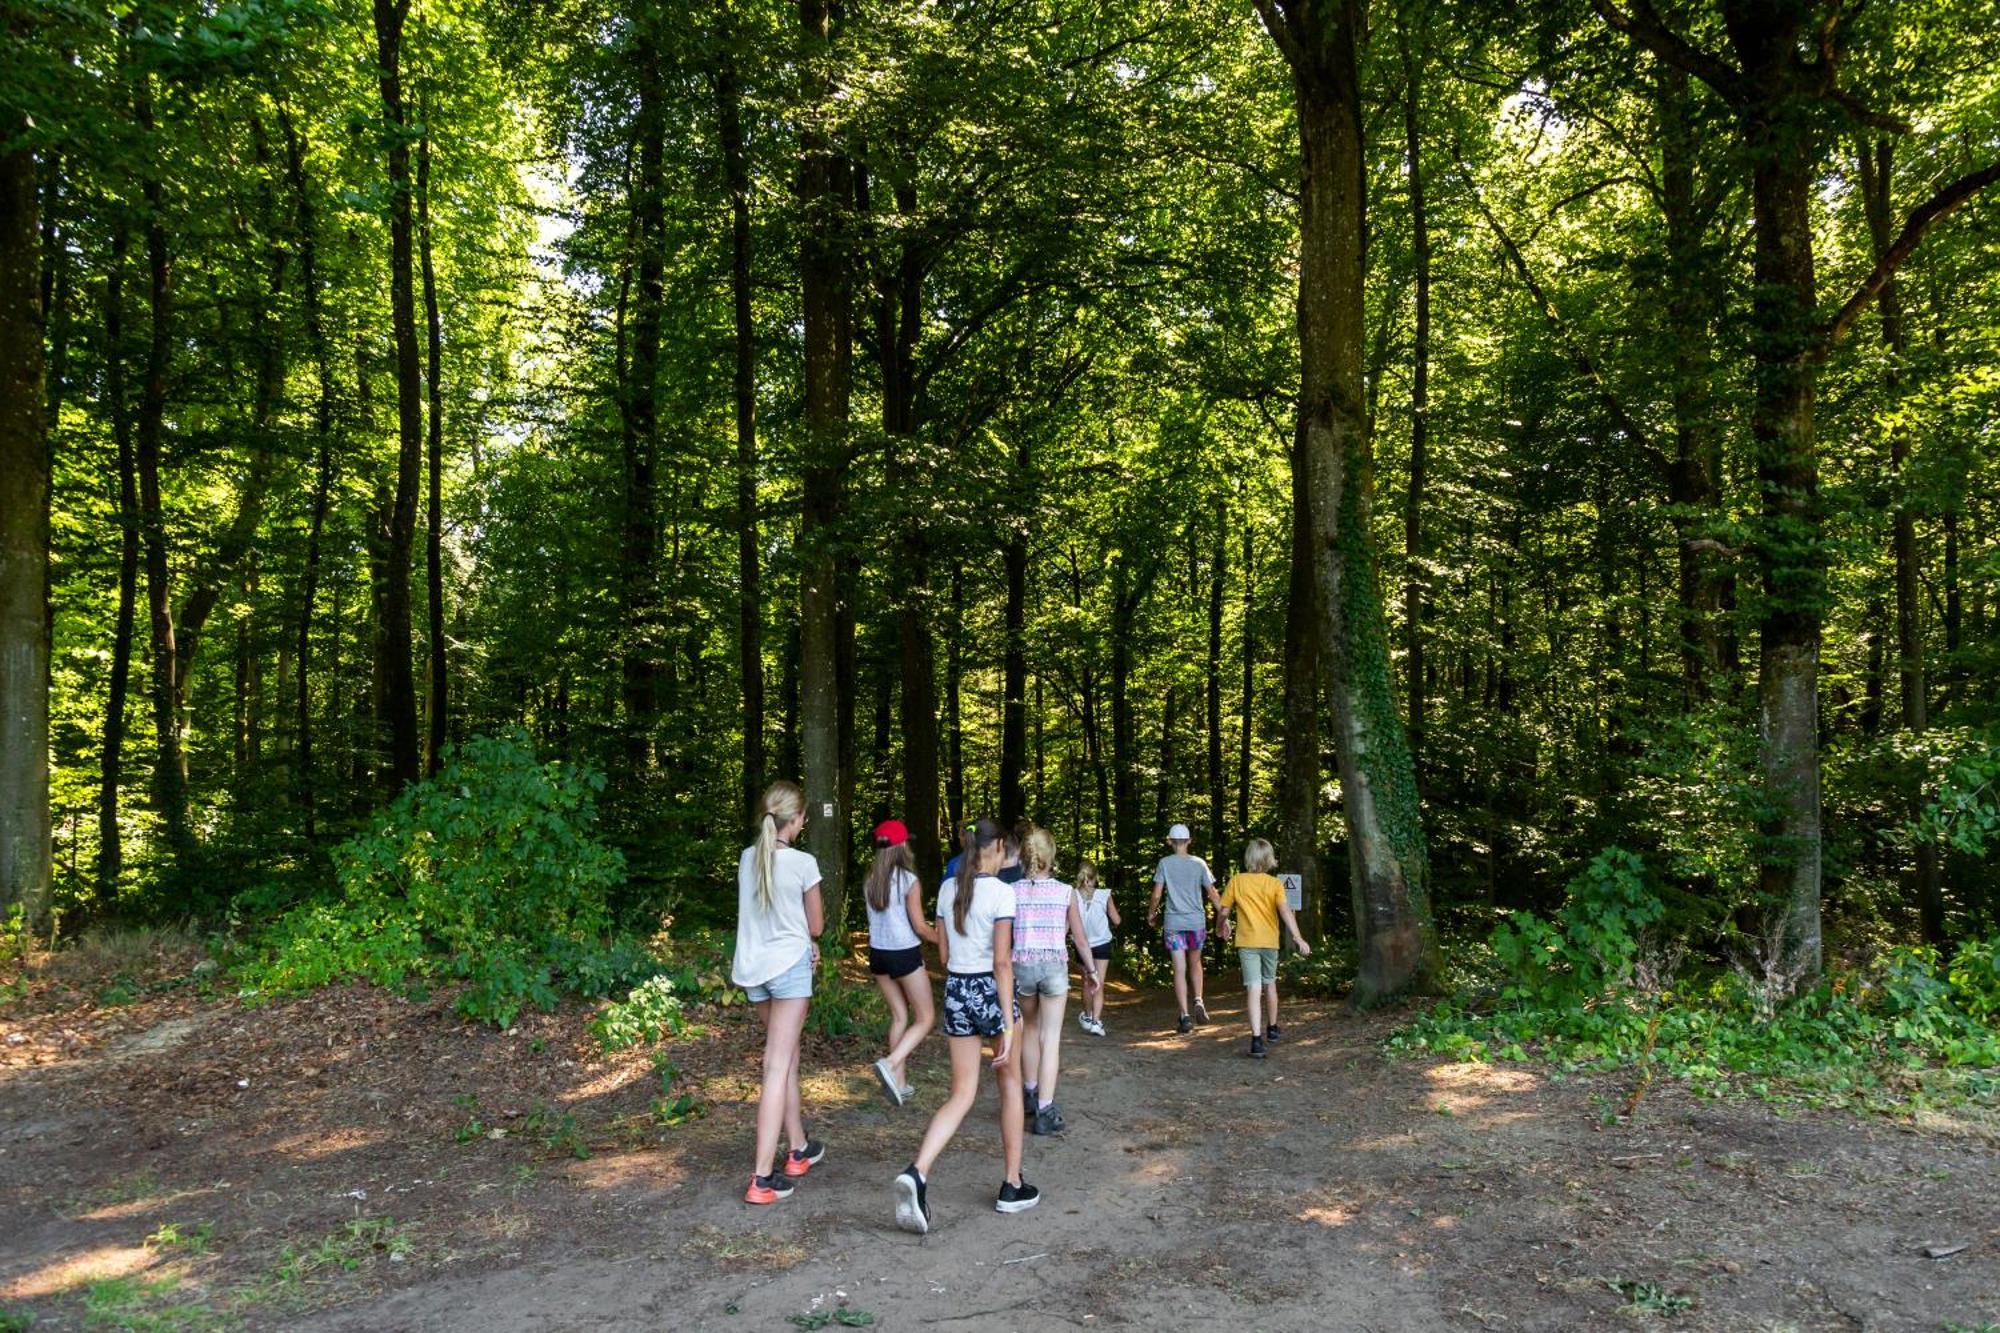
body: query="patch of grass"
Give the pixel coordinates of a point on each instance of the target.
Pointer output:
(1650, 1298)
(672, 1108)
(472, 1128)
(362, 1239)
(173, 1237)
(844, 1317)
(125, 1189)
(558, 1132)
(145, 1305)
(16, 1321)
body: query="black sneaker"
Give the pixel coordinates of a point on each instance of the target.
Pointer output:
(1017, 1198)
(1049, 1120)
(913, 1209)
(1256, 1048)
(1187, 1024)
(1271, 1033)
(1200, 1012)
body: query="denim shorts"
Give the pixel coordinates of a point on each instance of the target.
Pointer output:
(1260, 966)
(794, 983)
(1051, 978)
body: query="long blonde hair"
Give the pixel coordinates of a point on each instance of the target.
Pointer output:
(783, 802)
(1038, 853)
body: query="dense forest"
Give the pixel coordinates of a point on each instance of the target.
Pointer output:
(1450, 439)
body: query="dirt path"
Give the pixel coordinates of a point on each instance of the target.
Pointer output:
(1324, 1188)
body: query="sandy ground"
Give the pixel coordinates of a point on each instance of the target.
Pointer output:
(353, 1161)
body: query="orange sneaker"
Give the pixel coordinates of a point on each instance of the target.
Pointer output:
(768, 1189)
(801, 1160)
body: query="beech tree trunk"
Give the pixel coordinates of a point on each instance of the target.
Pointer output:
(824, 194)
(1218, 798)
(440, 662)
(638, 550)
(1299, 765)
(26, 866)
(1388, 863)
(1420, 379)
(1014, 663)
(750, 608)
(398, 648)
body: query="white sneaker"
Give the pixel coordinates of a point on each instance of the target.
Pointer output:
(1083, 1021)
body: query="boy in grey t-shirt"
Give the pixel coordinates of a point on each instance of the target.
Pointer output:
(1183, 879)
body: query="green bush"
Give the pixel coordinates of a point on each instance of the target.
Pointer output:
(490, 874)
(652, 1012)
(1591, 947)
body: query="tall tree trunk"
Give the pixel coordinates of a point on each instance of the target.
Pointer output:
(638, 553)
(954, 670)
(750, 609)
(306, 221)
(1163, 790)
(826, 289)
(440, 664)
(1299, 767)
(1125, 795)
(1014, 664)
(110, 842)
(169, 763)
(26, 849)
(398, 646)
(1389, 865)
(1218, 573)
(1877, 163)
(1420, 381)
(1246, 728)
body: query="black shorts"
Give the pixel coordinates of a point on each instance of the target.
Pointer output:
(1102, 951)
(894, 963)
(972, 1006)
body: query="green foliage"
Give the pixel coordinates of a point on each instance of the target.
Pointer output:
(652, 1012)
(842, 1008)
(490, 874)
(671, 1108)
(346, 1249)
(1965, 813)
(843, 1316)
(16, 1321)
(1592, 945)
(171, 1236)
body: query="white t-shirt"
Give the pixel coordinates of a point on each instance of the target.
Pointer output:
(1097, 917)
(770, 940)
(890, 928)
(971, 952)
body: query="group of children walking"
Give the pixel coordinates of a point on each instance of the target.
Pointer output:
(1004, 929)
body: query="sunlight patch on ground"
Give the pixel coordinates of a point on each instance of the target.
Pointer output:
(127, 1209)
(1477, 1075)
(313, 1146)
(1329, 1214)
(72, 1271)
(647, 1170)
(610, 1081)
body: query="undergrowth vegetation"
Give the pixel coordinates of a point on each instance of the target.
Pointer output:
(1598, 986)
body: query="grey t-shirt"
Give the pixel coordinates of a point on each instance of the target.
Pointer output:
(1184, 877)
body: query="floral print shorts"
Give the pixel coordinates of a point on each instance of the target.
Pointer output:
(972, 1006)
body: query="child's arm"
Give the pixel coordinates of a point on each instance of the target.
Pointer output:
(1003, 981)
(1223, 909)
(913, 903)
(815, 919)
(1153, 909)
(1208, 886)
(1111, 909)
(1292, 924)
(1081, 940)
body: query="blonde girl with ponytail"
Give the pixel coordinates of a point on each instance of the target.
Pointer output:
(778, 918)
(976, 937)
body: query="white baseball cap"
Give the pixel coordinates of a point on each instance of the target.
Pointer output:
(1179, 833)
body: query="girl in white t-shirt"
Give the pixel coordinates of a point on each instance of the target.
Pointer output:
(1100, 914)
(976, 937)
(778, 918)
(896, 934)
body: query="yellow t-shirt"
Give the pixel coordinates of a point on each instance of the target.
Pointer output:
(1255, 899)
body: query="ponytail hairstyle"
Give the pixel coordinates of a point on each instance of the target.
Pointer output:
(979, 835)
(889, 858)
(1038, 853)
(1086, 878)
(783, 802)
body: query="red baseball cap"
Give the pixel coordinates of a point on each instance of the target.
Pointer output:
(891, 833)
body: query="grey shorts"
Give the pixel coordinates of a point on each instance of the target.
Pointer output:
(794, 983)
(1260, 966)
(1042, 978)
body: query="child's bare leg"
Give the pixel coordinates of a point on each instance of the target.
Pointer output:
(1094, 1000)
(1194, 965)
(1027, 1059)
(1007, 1077)
(899, 1011)
(964, 1089)
(1179, 957)
(1046, 1034)
(1255, 995)
(1271, 1004)
(916, 990)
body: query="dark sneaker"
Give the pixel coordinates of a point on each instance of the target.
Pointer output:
(801, 1160)
(1256, 1048)
(1200, 1012)
(1271, 1033)
(1017, 1198)
(768, 1189)
(1049, 1120)
(891, 1088)
(1028, 1104)
(1186, 1024)
(913, 1209)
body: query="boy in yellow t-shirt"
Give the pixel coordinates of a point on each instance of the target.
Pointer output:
(1260, 897)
